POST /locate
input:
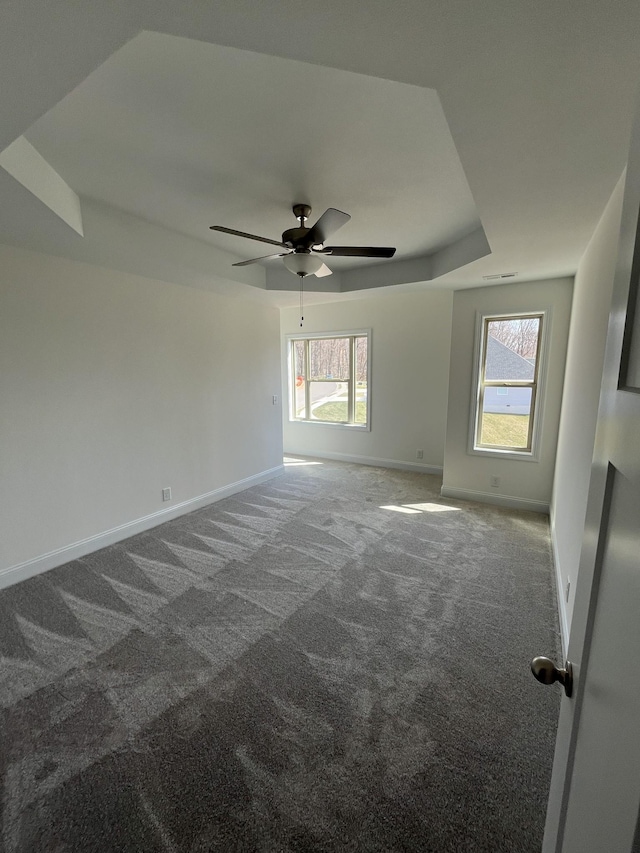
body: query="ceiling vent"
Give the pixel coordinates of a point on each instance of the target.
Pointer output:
(499, 275)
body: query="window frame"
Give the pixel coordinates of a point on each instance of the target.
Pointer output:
(532, 453)
(351, 334)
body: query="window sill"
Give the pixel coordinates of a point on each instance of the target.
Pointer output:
(496, 453)
(359, 427)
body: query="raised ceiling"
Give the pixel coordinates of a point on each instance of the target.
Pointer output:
(537, 102)
(185, 134)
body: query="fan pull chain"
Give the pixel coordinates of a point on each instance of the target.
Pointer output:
(301, 298)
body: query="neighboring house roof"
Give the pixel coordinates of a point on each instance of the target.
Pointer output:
(504, 363)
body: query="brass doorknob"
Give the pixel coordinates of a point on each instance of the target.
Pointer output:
(547, 672)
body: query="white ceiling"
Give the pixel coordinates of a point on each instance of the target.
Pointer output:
(338, 105)
(188, 134)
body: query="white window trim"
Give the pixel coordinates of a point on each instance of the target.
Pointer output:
(309, 336)
(532, 455)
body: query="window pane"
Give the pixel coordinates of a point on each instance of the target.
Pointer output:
(329, 359)
(329, 379)
(361, 381)
(512, 349)
(299, 380)
(329, 401)
(505, 418)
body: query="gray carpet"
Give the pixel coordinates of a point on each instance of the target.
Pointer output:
(295, 668)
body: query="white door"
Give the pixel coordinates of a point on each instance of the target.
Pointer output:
(595, 788)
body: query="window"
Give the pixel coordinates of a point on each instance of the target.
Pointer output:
(329, 379)
(507, 394)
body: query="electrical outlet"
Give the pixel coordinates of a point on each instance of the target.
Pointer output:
(419, 454)
(274, 399)
(495, 482)
(166, 494)
(568, 588)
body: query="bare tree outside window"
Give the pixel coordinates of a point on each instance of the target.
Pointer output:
(519, 334)
(329, 358)
(362, 366)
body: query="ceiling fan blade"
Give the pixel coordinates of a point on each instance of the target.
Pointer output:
(244, 234)
(255, 260)
(324, 270)
(358, 251)
(328, 223)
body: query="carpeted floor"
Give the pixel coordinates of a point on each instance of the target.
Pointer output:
(310, 665)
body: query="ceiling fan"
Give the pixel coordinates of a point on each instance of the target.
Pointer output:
(305, 246)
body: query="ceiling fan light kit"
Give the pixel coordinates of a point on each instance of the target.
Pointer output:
(302, 263)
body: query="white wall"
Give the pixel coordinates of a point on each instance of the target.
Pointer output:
(587, 335)
(409, 370)
(114, 386)
(527, 484)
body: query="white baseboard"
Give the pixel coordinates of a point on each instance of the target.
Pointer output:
(563, 617)
(22, 571)
(497, 500)
(371, 460)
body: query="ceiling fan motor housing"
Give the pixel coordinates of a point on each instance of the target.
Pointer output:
(294, 238)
